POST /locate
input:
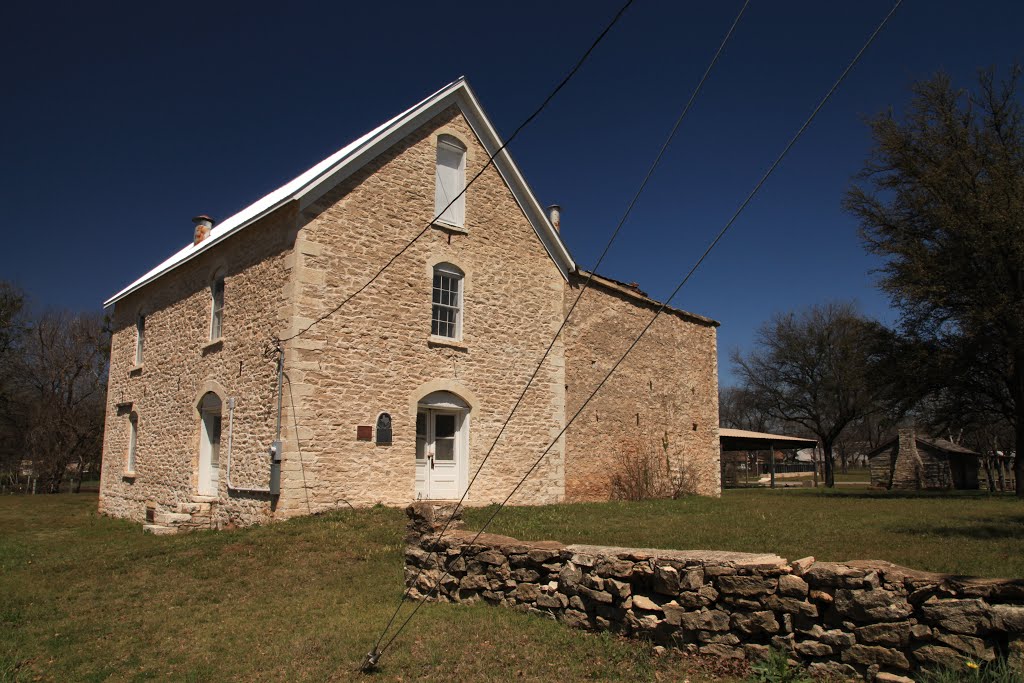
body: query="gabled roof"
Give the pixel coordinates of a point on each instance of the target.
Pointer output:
(928, 442)
(318, 180)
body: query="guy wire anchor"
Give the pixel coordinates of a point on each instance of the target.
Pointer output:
(370, 663)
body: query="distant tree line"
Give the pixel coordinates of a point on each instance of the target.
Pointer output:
(941, 201)
(53, 379)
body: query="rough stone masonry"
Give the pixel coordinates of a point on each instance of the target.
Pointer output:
(868, 620)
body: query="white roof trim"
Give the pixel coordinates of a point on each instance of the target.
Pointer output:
(312, 184)
(746, 434)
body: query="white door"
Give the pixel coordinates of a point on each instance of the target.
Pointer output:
(439, 453)
(209, 446)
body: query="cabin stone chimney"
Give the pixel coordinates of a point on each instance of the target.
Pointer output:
(908, 470)
(204, 224)
(555, 216)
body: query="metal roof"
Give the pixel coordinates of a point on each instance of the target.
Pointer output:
(315, 182)
(744, 440)
(635, 293)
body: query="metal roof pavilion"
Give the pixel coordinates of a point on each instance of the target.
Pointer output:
(743, 440)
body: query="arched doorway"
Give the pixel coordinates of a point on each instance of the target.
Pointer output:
(442, 446)
(209, 444)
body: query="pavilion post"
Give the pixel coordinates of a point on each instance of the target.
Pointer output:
(771, 462)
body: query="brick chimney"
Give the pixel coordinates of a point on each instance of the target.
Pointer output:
(555, 216)
(204, 224)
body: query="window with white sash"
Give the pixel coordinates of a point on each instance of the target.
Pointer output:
(140, 336)
(217, 316)
(133, 440)
(449, 198)
(446, 313)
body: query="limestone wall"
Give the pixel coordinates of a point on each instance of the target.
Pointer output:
(661, 405)
(866, 619)
(180, 363)
(378, 355)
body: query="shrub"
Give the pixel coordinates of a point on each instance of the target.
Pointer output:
(776, 668)
(647, 469)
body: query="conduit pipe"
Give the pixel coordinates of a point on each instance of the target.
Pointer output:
(231, 423)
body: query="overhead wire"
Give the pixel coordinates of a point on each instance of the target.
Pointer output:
(660, 310)
(490, 160)
(590, 276)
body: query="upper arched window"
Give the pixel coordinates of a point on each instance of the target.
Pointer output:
(449, 198)
(133, 440)
(217, 308)
(446, 314)
(140, 337)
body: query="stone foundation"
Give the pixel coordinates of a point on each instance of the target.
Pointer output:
(858, 619)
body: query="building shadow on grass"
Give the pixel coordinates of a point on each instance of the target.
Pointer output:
(982, 528)
(883, 494)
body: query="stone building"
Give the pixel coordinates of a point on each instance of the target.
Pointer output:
(243, 389)
(909, 461)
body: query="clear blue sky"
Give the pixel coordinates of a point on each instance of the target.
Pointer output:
(121, 121)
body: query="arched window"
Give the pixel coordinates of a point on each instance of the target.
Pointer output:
(140, 336)
(384, 429)
(133, 440)
(217, 308)
(449, 198)
(446, 314)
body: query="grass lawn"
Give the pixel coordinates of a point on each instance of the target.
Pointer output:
(961, 533)
(87, 598)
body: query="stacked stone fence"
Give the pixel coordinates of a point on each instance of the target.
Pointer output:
(859, 619)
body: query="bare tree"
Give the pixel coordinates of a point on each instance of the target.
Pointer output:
(740, 408)
(58, 394)
(12, 303)
(813, 369)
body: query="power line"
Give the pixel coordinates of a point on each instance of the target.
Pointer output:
(586, 284)
(659, 311)
(490, 160)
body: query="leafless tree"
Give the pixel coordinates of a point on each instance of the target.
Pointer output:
(57, 393)
(813, 369)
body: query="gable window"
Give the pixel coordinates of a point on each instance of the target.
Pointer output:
(446, 315)
(140, 334)
(217, 317)
(133, 440)
(384, 429)
(449, 198)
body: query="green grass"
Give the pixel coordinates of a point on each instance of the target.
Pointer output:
(969, 533)
(85, 598)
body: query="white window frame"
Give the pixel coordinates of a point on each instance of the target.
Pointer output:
(447, 270)
(133, 442)
(217, 308)
(455, 215)
(140, 336)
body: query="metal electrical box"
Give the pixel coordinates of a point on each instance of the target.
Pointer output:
(275, 468)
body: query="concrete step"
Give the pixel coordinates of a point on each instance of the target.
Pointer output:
(194, 508)
(171, 518)
(159, 529)
(204, 499)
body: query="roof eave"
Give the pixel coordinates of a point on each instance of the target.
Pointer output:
(371, 145)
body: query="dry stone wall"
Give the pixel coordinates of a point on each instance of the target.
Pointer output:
(862, 619)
